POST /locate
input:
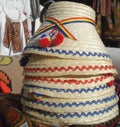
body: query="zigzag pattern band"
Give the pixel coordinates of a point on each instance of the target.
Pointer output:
(74, 115)
(68, 81)
(70, 52)
(73, 104)
(83, 90)
(70, 68)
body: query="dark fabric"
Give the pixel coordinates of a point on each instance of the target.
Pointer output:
(45, 7)
(33, 27)
(35, 8)
(87, 2)
(11, 114)
(42, 2)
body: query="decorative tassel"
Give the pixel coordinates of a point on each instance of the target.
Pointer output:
(44, 41)
(54, 38)
(58, 39)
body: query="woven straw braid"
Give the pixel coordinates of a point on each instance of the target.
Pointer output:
(86, 120)
(35, 60)
(68, 83)
(68, 93)
(62, 67)
(69, 71)
(70, 9)
(33, 118)
(60, 105)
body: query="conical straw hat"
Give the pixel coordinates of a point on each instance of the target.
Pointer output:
(60, 105)
(52, 67)
(67, 76)
(76, 22)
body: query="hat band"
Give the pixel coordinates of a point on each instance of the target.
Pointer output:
(62, 28)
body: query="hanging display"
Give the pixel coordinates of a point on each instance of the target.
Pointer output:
(15, 26)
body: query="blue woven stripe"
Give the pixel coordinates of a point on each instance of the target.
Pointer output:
(79, 91)
(70, 52)
(76, 114)
(73, 104)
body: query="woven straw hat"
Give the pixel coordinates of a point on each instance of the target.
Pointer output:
(83, 118)
(81, 40)
(39, 66)
(69, 76)
(68, 87)
(71, 105)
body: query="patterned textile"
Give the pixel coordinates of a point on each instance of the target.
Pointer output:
(12, 34)
(25, 24)
(7, 35)
(13, 116)
(11, 77)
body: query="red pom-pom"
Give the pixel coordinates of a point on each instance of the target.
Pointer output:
(58, 39)
(110, 83)
(44, 42)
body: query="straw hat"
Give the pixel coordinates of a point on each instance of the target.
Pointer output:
(39, 66)
(56, 89)
(71, 105)
(69, 76)
(76, 22)
(83, 118)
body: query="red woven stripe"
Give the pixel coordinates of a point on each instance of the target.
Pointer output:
(70, 68)
(69, 81)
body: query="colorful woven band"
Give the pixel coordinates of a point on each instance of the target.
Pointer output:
(61, 27)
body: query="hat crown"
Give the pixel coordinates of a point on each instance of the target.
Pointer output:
(76, 22)
(66, 9)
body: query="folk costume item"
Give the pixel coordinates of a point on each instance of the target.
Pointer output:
(68, 75)
(15, 27)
